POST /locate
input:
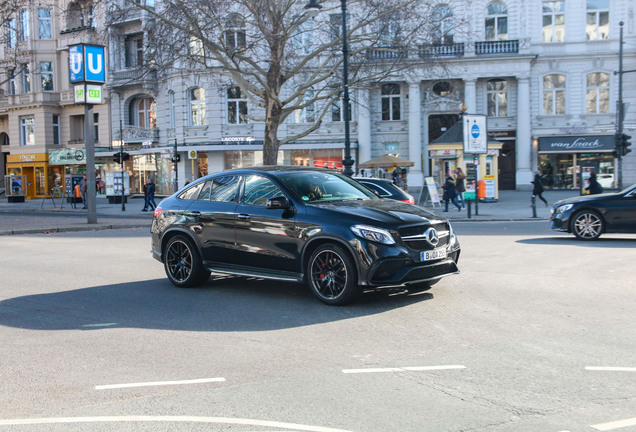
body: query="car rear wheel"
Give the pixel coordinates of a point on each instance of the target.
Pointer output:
(182, 263)
(331, 275)
(587, 225)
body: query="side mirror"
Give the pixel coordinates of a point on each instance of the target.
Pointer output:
(280, 202)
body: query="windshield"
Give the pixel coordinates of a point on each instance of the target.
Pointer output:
(314, 187)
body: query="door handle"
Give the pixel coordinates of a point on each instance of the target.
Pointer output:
(194, 214)
(244, 216)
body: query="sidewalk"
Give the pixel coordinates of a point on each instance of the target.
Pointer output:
(35, 216)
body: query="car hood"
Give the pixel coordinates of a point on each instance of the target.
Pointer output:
(585, 198)
(383, 210)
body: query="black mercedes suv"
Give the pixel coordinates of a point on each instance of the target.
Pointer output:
(306, 225)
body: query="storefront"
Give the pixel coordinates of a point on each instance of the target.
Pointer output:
(563, 160)
(38, 174)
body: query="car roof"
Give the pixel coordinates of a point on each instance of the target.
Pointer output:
(275, 169)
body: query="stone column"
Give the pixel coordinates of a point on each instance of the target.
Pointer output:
(524, 138)
(470, 96)
(364, 126)
(415, 176)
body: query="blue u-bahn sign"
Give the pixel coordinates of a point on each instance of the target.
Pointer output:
(87, 63)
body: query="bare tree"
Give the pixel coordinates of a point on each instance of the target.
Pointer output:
(284, 59)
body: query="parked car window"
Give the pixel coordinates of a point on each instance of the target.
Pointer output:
(320, 186)
(258, 190)
(191, 192)
(224, 189)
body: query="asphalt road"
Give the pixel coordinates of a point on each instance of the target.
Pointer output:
(536, 334)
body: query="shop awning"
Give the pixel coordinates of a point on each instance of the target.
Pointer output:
(386, 161)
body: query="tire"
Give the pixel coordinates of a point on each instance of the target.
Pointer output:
(331, 275)
(182, 263)
(587, 225)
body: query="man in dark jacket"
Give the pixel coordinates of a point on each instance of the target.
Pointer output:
(150, 195)
(594, 187)
(450, 193)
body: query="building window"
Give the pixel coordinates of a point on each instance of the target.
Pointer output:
(11, 78)
(598, 93)
(554, 94)
(57, 139)
(553, 21)
(443, 88)
(497, 22)
(337, 113)
(143, 113)
(197, 106)
(171, 103)
(44, 23)
(235, 39)
(390, 101)
(79, 15)
(26, 78)
(303, 39)
(335, 26)
(46, 76)
(497, 95)
(195, 46)
(307, 114)
(27, 131)
(236, 106)
(597, 25)
(25, 29)
(96, 127)
(443, 26)
(76, 126)
(12, 35)
(134, 50)
(389, 34)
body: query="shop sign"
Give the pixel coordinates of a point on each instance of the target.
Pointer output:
(27, 158)
(442, 153)
(475, 134)
(192, 154)
(577, 144)
(237, 139)
(489, 180)
(67, 156)
(502, 134)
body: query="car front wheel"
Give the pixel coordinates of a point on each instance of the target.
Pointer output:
(331, 275)
(587, 225)
(182, 263)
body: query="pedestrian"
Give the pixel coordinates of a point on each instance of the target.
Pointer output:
(537, 190)
(397, 178)
(460, 185)
(450, 193)
(404, 184)
(77, 190)
(594, 186)
(83, 188)
(149, 192)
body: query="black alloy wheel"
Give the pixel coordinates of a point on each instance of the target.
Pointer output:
(587, 225)
(332, 276)
(182, 263)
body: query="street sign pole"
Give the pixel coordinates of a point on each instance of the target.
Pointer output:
(91, 187)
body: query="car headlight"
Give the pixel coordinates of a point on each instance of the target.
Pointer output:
(372, 233)
(563, 208)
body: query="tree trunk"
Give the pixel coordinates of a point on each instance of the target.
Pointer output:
(270, 140)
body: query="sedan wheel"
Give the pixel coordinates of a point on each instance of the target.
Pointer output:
(332, 276)
(587, 225)
(182, 263)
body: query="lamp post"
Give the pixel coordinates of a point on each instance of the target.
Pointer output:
(313, 7)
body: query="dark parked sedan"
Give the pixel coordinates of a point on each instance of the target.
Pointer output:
(385, 188)
(589, 216)
(304, 225)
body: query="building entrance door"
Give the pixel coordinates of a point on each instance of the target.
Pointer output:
(507, 166)
(30, 180)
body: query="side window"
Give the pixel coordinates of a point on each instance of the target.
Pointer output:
(204, 195)
(379, 189)
(258, 190)
(191, 192)
(224, 189)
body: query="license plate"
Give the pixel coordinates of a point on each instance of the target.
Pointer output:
(434, 254)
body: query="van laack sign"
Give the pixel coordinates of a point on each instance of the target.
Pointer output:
(576, 144)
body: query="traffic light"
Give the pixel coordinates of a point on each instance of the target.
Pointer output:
(117, 157)
(177, 158)
(626, 144)
(125, 156)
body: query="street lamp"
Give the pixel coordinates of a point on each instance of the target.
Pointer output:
(313, 7)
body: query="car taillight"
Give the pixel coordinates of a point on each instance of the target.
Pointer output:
(410, 201)
(158, 212)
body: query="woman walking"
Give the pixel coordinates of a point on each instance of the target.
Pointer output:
(460, 185)
(537, 190)
(450, 193)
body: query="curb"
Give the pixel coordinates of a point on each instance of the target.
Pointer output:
(69, 229)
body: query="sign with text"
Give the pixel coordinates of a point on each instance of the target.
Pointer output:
(475, 134)
(577, 144)
(87, 63)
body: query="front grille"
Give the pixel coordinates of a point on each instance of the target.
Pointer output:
(413, 236)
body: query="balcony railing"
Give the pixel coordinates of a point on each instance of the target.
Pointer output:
(497, 47)
(387, 53)
(442, 50)
(132, 77)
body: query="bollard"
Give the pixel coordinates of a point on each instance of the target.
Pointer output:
(533, 204)
(468, 207)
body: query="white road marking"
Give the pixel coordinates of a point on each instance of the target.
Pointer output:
(158, 383)
(175, 419)
(610, 368)
(403, 369)
(615, 425)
